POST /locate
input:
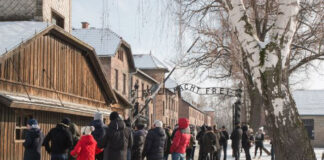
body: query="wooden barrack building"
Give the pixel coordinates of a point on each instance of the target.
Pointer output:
(46, 74)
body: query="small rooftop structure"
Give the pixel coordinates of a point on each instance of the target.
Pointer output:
(309, 102)
(148, 61)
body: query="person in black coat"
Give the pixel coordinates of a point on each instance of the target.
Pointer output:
(154, 143)
(61, 140)
(246, 143)
(259, 138)
(99, 132)
(138, 144)
(224, 141)
(33, 141)
(199, 138)
(116, 140)
(168, 142)
(236, 138)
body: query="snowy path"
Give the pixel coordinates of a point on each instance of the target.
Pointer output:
(318, 152)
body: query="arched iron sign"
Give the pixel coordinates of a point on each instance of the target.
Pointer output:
(209, 90)
(216, 91)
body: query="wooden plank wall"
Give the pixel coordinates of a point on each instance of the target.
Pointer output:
(14, 150)
(50, 67)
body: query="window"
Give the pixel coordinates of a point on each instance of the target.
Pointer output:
(120, 55)
(309, 126)
(124, 83)
(116, 79)
(21, 125)
(136, 83)
(143, 91)
(163, 109)
(57, 19)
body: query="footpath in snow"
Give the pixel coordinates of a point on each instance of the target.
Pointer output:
(318, 152)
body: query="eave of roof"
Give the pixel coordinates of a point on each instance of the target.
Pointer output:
(147, 76)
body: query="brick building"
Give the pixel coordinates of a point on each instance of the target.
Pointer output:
(145, 83)
(188, 110)
(116, 58)
(209, 116)
(166, 103)
(52, 11)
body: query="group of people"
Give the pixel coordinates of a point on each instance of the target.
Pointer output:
(117, 141)
(212, 142)
(242, 137)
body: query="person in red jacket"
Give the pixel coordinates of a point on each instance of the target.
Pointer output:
(181, 140)
(86, 148)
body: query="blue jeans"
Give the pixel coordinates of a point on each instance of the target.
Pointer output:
(178, 156)
(59, 156)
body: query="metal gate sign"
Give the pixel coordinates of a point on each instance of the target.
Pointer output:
(208, 90)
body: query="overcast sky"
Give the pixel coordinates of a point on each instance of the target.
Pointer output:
(148, 27)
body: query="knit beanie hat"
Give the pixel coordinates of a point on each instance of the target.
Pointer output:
(33, 123)
(88, 130)
(113, 116)
(158, 123)
(66, 121)
(98, 116)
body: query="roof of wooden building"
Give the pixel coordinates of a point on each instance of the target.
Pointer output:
(16, 33)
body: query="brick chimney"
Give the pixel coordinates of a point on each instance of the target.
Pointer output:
(85, 25)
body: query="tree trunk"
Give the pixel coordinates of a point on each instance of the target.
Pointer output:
(264, 62)
(256, 109)
(289, 136)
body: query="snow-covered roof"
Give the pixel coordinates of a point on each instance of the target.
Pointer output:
(12, 33)
(208, 109)
(309, 102)
(104, 41)
(148, 61)
(170, 85)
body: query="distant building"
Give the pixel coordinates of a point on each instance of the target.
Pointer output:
(310, 105)
(188, 110)
(51, 11)
(144, 82)
(116, 58)
(166, 103)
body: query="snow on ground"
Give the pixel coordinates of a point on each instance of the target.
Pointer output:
(318, 152)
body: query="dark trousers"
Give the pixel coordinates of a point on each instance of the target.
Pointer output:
(225, 150)
(190, 153)
(256, 150)
(236, 152)
(273, 154)
(201, 154)
(59, 156)
(217, 154)
(99, 156)
(247, 153)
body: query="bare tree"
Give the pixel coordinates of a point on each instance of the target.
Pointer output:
(262, 42)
